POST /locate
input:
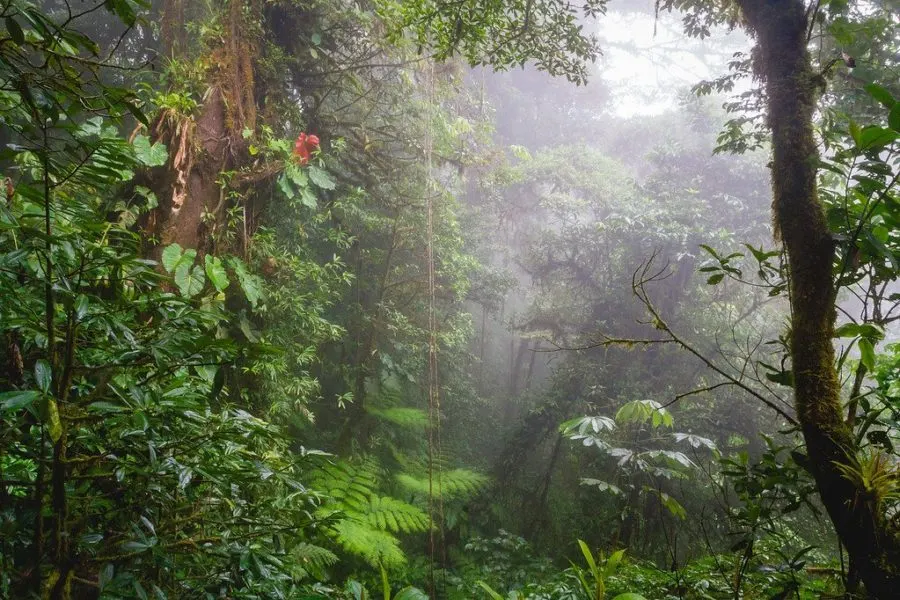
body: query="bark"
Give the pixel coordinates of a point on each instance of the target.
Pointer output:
(204, 145)
(783, 63)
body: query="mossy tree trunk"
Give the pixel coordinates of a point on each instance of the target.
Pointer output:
(192, 199)
(783, 63)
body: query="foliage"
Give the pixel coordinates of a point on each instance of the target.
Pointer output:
(549, 34)
(361, 521)
(190, 308)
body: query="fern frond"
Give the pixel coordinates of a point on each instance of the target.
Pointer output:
(451, 485)
(350, 486)
(310, 560)
(315, 556)
(378, 548)
(408, 418)
(390, 514)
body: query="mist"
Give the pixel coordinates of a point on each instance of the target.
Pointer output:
(414, 299)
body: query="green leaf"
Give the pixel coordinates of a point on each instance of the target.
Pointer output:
(250, 284)
(123, 10)
(874, 137)
(612, 563)
(867, 353)
(603, 486)
(881, 94)
(284, 184)
(785, 378)
(43, 376)
(17, 399)
(714, 279)
(356, 590)
(321, 178)
(629, 596)
(411, 593)
(296, 175)
(15, 31)
(490, 591)
(867, 330)
(589, 558)
(307, 198)
(673, 506)
(183, 273)
(855, 133)
(215, 271)
(894, 118)
(171, 256)
(193, 284)
(150, 156)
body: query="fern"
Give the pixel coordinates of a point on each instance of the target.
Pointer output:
(311, 561)
(363, 521)
(390, 514)
(408, 418)
(372, 545)
(450, 485)
(349, 486)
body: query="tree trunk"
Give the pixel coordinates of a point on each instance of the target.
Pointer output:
(784, 65)
(206, 144)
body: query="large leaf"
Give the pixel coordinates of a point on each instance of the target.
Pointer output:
(185, 276)
(171, 256)
(17, 399)
(215, 270)
(154, 155)
(490, 591)
(411, 593)
(43, 375)
(250, 283)
(881, 94)
(321, 178)
(894, 118)
(867, 353)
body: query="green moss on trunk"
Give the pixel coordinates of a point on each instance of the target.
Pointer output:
(784, 65)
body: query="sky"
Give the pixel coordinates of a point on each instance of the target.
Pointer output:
(647, 64)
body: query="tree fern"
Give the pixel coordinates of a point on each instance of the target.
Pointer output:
(348, 485)
(407, 418)
(390, 514)
(451, 485)
(378, 548)
(363, 522)
(311, 561)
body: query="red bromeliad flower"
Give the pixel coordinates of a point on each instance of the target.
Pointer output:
(304, 146)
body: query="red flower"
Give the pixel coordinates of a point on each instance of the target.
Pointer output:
(304, 146)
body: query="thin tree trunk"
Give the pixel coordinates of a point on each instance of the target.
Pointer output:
(783, 63)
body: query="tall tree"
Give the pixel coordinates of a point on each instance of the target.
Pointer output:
(792, 88)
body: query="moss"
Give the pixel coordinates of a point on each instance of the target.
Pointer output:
(782, 62)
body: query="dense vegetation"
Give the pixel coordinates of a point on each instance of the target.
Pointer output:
(314, 299)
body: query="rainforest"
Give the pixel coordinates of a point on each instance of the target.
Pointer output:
(449, 299)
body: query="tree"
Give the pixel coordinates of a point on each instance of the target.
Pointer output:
(792, 88)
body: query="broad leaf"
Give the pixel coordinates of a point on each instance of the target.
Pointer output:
(171, 255)
(17, 399)
(321, 178)
(215, 271)
(43, 375)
